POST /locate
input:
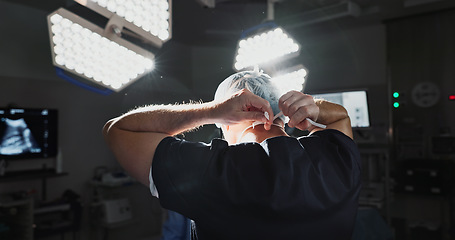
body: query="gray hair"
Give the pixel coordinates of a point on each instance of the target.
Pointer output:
(256, 82)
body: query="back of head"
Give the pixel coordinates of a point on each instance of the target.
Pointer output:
(256, 82)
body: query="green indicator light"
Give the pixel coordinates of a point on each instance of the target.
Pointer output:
(396, 104)
(396, 95)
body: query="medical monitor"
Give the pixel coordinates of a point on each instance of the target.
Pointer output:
(28, 133)
(355, 102)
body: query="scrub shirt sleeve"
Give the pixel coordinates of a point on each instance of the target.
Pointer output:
(177, 172)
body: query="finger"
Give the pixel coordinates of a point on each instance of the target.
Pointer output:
(288, 94)
(297, 104)
(304, 125)
(298, 116)
(253, 116)
(310, 111)
(291, 99)
(264, 107)
(283, 99)
(305, 101)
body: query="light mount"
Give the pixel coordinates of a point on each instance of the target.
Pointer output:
(150, 20)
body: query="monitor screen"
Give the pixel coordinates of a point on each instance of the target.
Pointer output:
(28, 133)
(355, 103)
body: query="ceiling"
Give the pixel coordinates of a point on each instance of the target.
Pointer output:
(195, 24)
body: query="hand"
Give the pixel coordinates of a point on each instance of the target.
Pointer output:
(243, 106)
(298, 106)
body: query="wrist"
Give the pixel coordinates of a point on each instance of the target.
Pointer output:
(330, 112)
(211, 113)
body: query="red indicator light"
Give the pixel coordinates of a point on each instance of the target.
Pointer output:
(451, 97)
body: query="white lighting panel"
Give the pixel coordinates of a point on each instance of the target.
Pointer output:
(264, 48)
(78, 46)
(150, 19)
(292, 79)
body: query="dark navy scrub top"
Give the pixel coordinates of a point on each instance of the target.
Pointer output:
(283, 188)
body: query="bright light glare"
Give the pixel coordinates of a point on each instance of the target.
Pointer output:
(88, 53)
(290, 81)
(151, 16)
(263, 48)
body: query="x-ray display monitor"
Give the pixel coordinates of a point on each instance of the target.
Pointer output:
(355, 103)
(28, 133)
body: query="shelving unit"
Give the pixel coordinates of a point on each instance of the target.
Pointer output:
(43, 175)
(376, 182)
(16, 218)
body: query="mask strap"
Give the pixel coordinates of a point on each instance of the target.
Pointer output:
(254, 125)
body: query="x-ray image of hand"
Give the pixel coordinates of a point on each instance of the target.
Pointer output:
(17, 138)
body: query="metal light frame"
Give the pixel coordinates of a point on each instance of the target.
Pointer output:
(119, 22)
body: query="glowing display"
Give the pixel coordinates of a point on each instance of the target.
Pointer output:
(85, 52)
(28, 133)
(264, 48)
(151, 16)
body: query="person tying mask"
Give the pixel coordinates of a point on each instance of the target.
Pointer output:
(258, 182)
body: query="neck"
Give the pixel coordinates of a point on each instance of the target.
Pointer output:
(259, 134)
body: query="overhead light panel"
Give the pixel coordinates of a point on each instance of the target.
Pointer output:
(290, 79)
(150, 19)
(81, 47)
(263, 48)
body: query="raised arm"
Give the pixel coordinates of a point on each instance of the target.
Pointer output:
(299, 106)
(334, 116)
(134, 136)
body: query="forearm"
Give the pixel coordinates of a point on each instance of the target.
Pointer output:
(167, 119)
(135, 136)
(175, 119)
(334, 116)
(330, 112)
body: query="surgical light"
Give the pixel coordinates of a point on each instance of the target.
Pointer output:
(264, 47)
(80, 47)
(291, 79)
(150, 19)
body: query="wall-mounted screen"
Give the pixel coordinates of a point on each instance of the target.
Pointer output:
(28, 133)
(355, 102)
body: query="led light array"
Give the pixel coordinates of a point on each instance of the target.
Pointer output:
(85, 52)
(294, 80)
(263, 48)
(150, 15)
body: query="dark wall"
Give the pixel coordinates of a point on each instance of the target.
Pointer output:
(422, 55)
